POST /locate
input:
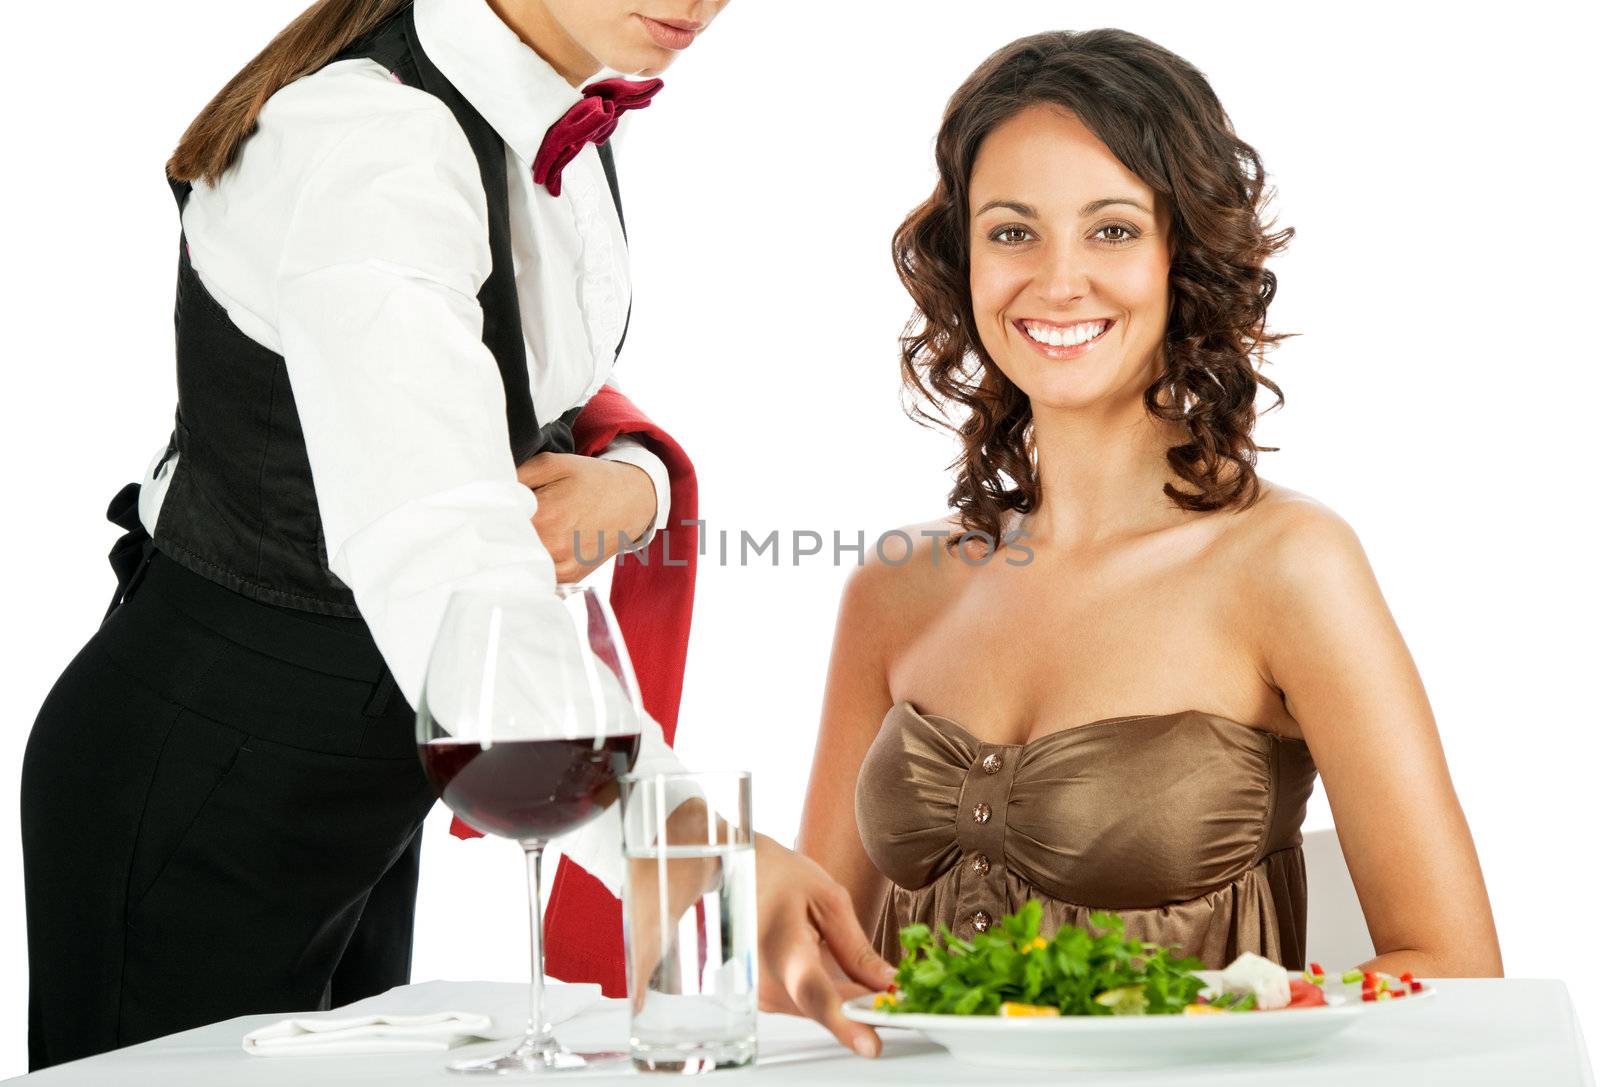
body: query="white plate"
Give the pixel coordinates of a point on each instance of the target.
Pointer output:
(1133, 1041)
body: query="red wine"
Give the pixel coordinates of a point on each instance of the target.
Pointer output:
(529, 789)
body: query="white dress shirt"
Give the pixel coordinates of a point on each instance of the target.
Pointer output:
(351, 237)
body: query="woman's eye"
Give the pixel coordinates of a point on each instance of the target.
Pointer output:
(1122, 234)
(1009, 235)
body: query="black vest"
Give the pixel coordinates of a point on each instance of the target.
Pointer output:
(240, 509)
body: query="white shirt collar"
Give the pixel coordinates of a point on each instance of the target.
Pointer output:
(515, 89)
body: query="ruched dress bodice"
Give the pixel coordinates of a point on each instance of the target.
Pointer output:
(1186, 824)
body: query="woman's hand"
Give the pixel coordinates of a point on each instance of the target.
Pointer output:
(813, 953)
(586, 505)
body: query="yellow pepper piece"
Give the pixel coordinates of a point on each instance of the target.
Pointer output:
(1038, 943)
(1025, 1011)
(1203, 1009)
(884, 1000)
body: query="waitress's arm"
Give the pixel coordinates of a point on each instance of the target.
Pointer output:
(400, 402)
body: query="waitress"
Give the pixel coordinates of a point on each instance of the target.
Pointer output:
(402, 274)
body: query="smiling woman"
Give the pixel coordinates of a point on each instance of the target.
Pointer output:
(1194, 282)
(1091, 293)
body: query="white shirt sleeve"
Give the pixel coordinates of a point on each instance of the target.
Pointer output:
(400, 402)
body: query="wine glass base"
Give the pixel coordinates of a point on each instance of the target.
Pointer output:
(536, 1060)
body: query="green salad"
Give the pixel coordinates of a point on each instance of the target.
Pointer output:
(1011, 967)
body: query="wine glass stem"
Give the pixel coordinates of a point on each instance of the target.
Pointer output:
(539, 1033)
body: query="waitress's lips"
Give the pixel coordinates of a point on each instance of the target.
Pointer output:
(671, 34)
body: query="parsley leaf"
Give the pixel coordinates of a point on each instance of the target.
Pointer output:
(945, 975)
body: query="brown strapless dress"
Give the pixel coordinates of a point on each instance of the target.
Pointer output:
(1186, 824)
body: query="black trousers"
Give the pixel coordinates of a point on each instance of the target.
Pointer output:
(221, 807)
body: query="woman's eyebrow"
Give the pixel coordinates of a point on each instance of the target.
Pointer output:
(1095, 205)
(1029, 211)
(1026, 210)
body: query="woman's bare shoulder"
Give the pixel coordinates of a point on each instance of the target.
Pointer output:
(1288, 538)
(904, 572)
(1281, 512)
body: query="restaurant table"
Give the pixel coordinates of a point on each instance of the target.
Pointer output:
(1499, 1032)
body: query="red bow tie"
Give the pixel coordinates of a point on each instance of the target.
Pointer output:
(591, 120)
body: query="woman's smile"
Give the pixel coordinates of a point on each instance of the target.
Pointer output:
(1054, 340)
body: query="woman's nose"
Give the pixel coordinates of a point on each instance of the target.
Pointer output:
(1061, 275)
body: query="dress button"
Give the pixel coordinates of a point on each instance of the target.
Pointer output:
(980, 864)
(980, 813)
(992, 763)
(980, 921)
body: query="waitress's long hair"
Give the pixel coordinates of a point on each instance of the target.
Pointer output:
(317, 35)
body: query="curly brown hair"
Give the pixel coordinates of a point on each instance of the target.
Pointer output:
(1157, 114)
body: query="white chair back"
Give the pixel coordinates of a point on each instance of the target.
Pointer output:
(1336, 930)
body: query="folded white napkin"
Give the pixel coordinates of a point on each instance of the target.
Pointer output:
(409, 1019)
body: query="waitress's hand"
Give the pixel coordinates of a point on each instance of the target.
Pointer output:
(813, 953)
(589, 499)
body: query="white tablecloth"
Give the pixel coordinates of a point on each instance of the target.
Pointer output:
(1495, 1033)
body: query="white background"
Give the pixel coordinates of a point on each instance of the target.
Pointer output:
(1435, 164)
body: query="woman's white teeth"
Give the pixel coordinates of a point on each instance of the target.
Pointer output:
(1064, 335)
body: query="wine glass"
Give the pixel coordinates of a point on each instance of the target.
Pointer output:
(530, 713)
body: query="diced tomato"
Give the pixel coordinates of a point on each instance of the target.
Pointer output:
(1303, 994)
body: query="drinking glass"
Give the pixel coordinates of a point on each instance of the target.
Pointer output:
(530, 714)
(689, 920)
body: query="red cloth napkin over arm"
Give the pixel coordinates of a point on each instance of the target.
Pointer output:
(654, 603)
